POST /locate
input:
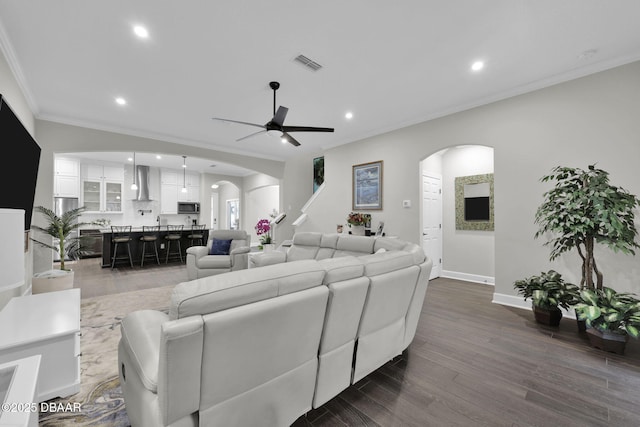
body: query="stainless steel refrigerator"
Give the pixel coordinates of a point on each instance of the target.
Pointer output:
(62, 205)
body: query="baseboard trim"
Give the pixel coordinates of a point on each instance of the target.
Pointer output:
(476, 278)
(518, 302)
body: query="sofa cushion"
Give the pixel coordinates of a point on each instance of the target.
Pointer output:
(354, 245)
(342, 268)
(223, 291)
(385, 262)
(305, 246)
(220, 247)
(214, 261)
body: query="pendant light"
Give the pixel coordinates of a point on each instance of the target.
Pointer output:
(134, 186)
(184, 174)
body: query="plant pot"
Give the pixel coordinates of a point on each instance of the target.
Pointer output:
(51, 281)
(357, 230)
(549, 317)
(607, 341)
(269, 247)
(582, 324)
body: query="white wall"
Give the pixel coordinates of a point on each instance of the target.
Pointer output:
(259, 204)
(587, 120)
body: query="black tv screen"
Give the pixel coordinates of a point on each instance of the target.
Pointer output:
(476, 209)
(20, 179)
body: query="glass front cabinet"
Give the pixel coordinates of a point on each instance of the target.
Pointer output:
(100, 192)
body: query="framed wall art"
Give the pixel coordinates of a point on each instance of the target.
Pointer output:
(318, 172)
(367, 186)
(474, 202)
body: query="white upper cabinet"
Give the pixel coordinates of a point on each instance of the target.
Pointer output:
(66, 180)
(171, 189)
(102, 188)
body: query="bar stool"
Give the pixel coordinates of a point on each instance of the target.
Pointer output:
(197, 234)
(174, 234)
(149, 235)
(120, 234)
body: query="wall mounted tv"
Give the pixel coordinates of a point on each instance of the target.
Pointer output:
(19, 186)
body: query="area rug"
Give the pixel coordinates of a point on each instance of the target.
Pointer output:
(100, 396)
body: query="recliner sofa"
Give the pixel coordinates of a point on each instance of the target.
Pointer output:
(201, 264)
(265, 345)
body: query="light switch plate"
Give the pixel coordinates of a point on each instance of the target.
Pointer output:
(406, 203)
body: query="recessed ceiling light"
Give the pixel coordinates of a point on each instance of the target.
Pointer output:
(130, 159)
(477, 66)
(214, 186)
(141, 31)
(121, 101)
(158, 156)
(348, 115)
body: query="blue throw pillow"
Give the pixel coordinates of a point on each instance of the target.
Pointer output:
(220, 247)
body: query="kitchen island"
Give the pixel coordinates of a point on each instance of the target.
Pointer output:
(136, 247)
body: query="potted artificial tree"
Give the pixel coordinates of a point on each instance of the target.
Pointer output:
(548, 292)
(583, 209)
(59, 228)
(612, 317)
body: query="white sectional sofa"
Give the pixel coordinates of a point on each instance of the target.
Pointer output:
(261, 347)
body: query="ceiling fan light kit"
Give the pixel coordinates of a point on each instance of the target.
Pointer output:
(275, 127)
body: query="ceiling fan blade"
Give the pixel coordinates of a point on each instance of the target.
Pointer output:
(290, 139)
(236, 121)
(305, 129)
(253, 134)
(278, 118)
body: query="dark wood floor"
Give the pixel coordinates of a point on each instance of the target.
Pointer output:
(93, 280)
(472, 363)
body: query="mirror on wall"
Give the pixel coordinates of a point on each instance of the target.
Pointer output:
(474, 202)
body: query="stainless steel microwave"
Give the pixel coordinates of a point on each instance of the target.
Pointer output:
(188, 207)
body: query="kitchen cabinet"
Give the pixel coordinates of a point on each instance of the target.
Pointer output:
(171, 183)
(66, 178)
(102, 188)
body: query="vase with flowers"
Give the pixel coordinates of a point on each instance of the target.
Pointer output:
(356, 222)
(263, 230)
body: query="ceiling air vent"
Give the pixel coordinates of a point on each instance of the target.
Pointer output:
(309, 63)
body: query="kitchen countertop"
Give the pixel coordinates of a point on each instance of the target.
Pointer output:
(139, 229)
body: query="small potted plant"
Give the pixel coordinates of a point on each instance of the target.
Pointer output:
(59, 228)
(548, 291)
(356, 222)
(611, 317)
(263, 230)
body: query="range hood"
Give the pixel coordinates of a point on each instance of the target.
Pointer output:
(142, 179)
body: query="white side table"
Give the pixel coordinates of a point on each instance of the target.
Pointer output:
(19, 387)
(47, 324)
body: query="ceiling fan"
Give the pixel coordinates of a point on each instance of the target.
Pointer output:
(276, 126)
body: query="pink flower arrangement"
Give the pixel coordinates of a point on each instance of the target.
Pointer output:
(356, 219)
(263, 228)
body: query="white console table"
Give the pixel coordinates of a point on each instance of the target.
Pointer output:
(47, 324)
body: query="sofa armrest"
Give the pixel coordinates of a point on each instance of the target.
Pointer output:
(240, 250)
(180, 368)
(268, 258)
(240, 258)
(198, 251)
(141, 332)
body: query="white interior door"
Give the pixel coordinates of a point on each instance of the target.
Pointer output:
(432, 221)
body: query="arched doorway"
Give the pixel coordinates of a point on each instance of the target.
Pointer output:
(456, 253)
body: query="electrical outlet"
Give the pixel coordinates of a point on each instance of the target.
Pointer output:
(406, 203)
(161, 245)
